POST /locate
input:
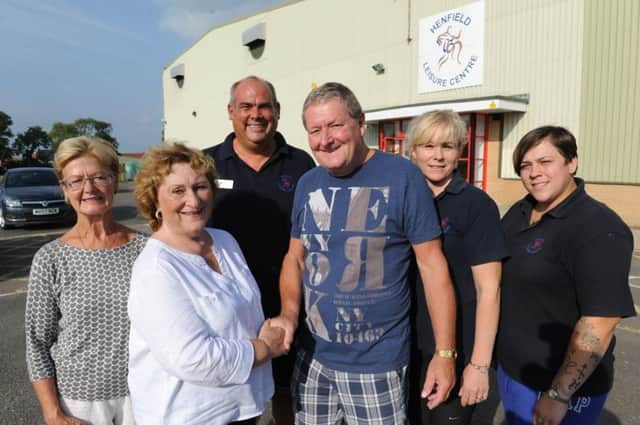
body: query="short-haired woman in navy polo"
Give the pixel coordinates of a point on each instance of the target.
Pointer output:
(564, 289)
(474, 246)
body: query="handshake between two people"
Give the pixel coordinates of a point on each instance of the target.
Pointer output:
(277, 333)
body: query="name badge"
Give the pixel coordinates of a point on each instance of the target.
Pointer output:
(225, 184)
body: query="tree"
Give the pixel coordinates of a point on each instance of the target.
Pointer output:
(61, 131)
(5, 136)
(82, 127)
(30, 142)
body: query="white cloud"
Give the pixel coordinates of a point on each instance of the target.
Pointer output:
(192, 18)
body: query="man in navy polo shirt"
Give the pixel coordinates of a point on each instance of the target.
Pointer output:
(258, 173)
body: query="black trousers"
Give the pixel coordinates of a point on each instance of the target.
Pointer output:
(450, 412)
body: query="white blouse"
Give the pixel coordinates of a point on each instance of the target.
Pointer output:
(190, 358)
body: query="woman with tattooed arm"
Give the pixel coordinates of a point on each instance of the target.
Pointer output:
(564, 289)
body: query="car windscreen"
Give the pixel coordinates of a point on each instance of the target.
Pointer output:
(31, 178)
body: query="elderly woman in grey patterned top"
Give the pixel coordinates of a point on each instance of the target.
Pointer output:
(76, 321)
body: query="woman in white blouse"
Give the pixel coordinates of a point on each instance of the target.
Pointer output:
(200, 349)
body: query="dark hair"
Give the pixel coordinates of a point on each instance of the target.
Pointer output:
(329, 91)
(559, 137)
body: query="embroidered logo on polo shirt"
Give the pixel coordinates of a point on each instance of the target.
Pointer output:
(286, 183)
(535, 246)
(445, 226)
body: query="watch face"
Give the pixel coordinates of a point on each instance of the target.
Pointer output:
(447, 354)
(555, 395)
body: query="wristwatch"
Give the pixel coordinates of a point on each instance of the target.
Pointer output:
(553, 394)
(450, 353)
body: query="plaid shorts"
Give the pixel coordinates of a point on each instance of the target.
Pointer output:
(324, 396)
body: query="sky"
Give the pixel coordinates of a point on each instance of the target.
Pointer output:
(61, 60)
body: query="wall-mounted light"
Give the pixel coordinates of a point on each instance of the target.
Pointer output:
(177, 73)
(378, 68)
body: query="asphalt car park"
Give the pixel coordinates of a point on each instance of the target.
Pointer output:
(19, 405)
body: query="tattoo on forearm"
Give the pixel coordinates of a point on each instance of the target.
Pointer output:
(584, 333)
(587, 336)
(579, 379)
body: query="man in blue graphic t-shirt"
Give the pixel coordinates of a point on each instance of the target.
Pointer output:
(355, 221)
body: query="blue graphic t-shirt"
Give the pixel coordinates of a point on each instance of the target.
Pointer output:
(357, 232)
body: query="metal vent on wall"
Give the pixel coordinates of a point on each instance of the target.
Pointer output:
(255, 39)
(177, 73)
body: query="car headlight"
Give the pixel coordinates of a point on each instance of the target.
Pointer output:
(12, 203)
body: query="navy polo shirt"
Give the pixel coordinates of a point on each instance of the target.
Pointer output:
(471, 235)
(573, 262)
(255, 207)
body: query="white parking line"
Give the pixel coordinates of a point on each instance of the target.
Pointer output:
(31, 235)
(628, 329)
(16, 292)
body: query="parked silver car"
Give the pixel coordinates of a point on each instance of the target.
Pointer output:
(32, 195)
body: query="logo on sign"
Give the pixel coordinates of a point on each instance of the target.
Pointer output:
(451, 48)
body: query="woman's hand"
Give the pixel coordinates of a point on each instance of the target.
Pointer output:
(475, 385)
(47, 393)
(273, 336)
(59, 418)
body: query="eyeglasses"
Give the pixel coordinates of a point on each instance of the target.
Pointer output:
(77, 183)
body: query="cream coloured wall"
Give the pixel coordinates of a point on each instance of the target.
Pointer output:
(610, 107)
(309, 42)
(315, 41)
(534, 48)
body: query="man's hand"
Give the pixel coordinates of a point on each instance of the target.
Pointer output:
(273, 336)
(289, 326)
(475, 385)
(548, 411)
(441, 377)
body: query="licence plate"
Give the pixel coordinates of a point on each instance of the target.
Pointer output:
(45, 211)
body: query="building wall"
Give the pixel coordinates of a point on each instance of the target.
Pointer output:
(610, 105)
(343, 41)
(557, 52)
(503, 191)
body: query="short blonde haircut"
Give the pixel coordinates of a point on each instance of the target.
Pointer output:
(75, 147)
(423, 127)
(156, 165)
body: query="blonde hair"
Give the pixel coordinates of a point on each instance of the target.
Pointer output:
(156, 165)
(423, 127)
(75, 147)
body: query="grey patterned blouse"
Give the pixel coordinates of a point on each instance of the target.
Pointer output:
(76, 322)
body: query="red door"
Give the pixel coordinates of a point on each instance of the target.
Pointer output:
(473, 161)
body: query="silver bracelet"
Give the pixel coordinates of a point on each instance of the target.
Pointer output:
(482, 368)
